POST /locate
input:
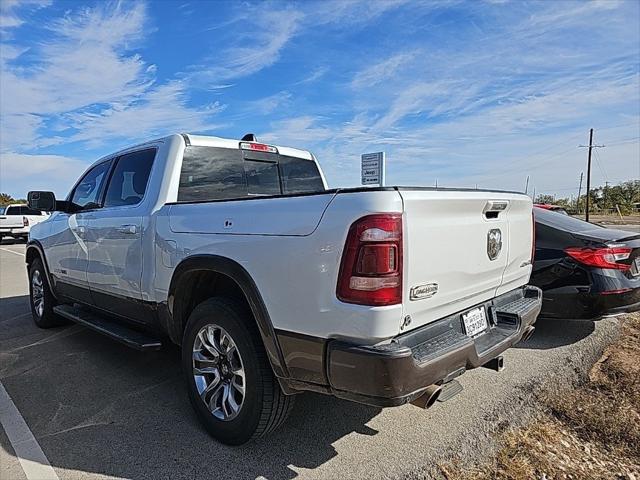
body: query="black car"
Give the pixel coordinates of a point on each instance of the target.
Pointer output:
(585, 271)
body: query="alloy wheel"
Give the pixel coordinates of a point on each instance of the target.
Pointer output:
(218, 372)
(37, 293)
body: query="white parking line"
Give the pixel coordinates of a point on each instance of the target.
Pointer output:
(33, 460)
(11, 251)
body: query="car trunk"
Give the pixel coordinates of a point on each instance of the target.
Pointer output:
(447, 243)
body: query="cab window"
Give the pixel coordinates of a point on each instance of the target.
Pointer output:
(129, 180)
(86, 194)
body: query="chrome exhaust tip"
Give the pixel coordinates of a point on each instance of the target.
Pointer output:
(428, 398)
(527, 333)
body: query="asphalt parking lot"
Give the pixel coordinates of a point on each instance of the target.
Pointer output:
(100, 410)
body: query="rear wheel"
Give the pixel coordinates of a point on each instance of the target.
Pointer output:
(229, 379)
(41, 299)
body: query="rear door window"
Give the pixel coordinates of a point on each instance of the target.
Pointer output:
(129, 180)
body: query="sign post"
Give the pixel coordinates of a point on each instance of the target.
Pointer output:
(373, 168)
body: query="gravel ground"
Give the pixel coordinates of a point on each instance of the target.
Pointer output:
(100, 410)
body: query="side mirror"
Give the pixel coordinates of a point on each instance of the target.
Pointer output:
(45, 201)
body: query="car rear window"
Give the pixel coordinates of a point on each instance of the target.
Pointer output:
(562, 221)
(21, 210)
(211, 173)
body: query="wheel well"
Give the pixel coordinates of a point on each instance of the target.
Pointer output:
(197, 286)
(31, 255)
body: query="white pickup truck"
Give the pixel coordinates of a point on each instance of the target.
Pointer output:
(273, 284)
(17, 219)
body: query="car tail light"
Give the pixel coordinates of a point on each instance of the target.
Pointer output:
(601, 257)
(371, 268)
(25, 221)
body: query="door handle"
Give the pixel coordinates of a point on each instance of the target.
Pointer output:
(81, 230)
(127, 229)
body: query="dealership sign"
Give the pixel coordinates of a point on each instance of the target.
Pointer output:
(373, 166)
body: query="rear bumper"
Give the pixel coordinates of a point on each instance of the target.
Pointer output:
(14, 231)
(577, 305)
(398, 372)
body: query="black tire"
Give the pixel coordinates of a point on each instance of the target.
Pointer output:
(43, 317)
(264, 406)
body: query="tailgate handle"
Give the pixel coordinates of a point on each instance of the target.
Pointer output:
(493, 208)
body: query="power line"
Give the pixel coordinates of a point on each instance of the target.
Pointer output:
(624, 141)
(599, 163)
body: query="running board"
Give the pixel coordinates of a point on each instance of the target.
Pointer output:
(121, 333)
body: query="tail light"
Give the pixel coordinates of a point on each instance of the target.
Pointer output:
(371, 268)
(25, 222)
(533, 237)
(601, 257)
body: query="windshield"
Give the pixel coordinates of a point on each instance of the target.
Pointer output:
(2, 210)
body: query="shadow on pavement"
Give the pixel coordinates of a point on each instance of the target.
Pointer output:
(12, 241)
(557, 333)
(97, 406)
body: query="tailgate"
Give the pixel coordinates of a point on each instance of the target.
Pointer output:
(448, 238)
(11, 221)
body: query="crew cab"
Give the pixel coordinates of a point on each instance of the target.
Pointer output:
(17, 219)
(274, 284)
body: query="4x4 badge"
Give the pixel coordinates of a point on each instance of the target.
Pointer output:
(494, 243)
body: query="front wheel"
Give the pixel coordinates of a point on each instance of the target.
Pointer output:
(229, 379)
(41, 299)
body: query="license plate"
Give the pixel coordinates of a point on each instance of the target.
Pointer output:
(475, 321)
(636, 264)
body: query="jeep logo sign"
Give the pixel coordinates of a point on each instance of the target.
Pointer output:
(494, 243)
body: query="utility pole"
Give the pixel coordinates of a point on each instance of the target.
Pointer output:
(534, 195)
(591, 147)
(586, 215)
(526, 186)
(579, 190)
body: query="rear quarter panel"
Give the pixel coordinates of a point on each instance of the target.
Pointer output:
(296, 274)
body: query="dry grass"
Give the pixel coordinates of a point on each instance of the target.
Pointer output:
(592, 432)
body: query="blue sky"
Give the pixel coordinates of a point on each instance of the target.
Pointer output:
(466, 93)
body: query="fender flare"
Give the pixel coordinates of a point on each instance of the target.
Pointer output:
(237, 273)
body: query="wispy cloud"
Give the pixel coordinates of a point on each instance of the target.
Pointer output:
(8, 16)
(381, 71)
(269, 104)
(87, 79)
(256, 43)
